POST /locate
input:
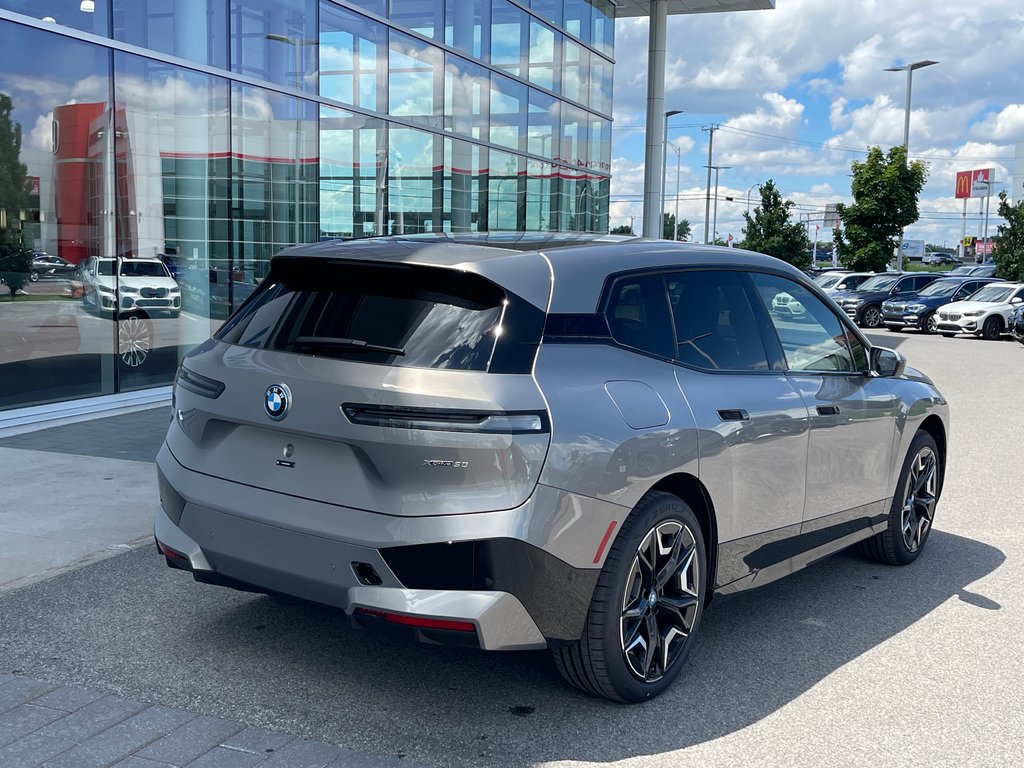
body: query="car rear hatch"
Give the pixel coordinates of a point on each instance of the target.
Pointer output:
(389, 386)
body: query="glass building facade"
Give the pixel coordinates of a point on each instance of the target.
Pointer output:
(155, 154)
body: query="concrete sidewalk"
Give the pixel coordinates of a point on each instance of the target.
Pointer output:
(75, 495)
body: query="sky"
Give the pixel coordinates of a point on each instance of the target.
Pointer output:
(799, 93)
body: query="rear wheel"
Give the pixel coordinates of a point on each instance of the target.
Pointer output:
(913, 506)
(646, 607)
(871, 317)
(992, 329)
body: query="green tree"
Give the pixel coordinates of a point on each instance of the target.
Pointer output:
(1008, 252)
(771, 231)
(622, 229)
(885, 191)
(15, 261)
(15, 265)
(668, 227)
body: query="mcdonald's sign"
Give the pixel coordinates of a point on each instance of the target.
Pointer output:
(963, 184)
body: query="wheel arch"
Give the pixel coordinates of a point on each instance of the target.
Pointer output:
(692, 491)
(933, 426)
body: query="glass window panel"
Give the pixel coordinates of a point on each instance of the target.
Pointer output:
(422, 16)
(548, 9)
(275, 40)
(509, 36)
(603, 26)
(58, 181)
(638, 314)
(601, 187)
(67, 13)
(716, 329)
(506, 206)
(353, 62)
(575, 125)
(600, 144)
(575, 71)
(543, 125)
(578, 19)
(467, 26)
(353, 176)
(412, 159)
(600, 97)
(467, 89)
(508, 112)
(189, 29)
(464, 186)
(373, 6)
(543, 55)
(275, 160)
(416, 82)
(541, 196)
(173, 126)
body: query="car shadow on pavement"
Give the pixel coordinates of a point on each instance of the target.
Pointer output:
(132, 627)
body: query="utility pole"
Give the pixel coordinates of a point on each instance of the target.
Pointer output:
(707, 197)
(714, 216)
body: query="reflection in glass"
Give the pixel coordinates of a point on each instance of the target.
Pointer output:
(575, 124)
(275, 40)
(353, 174)
(464, 186)
(508, 112)
(468, 26)
(189, 29)
(578, 19)
(506, 202)
(543, 133)
(548, 9)
(55, 125)
(543, 55)
(509, 37)
(412, 157)
(467, 88)
(603, 26)
(541, 196)
(353, 65)
(416, 83)
(68, 13)
(600, 85)
(575, 71)
(422, 16)
(600, 144)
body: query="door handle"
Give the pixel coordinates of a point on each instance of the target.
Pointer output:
(733, 414)
(828, 410)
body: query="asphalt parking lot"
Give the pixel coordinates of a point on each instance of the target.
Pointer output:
(845, 663)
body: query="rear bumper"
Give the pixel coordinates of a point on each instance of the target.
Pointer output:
(494, 570)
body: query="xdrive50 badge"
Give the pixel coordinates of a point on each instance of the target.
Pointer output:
(446, 463)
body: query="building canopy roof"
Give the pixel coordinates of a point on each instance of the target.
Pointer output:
(628, 8)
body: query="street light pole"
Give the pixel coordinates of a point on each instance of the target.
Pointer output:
(664, 155)
(714, 219)
(909, 69)
(675, 216)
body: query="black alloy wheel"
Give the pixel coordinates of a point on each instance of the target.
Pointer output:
(871, 317)
(646, 607)
(992, 329)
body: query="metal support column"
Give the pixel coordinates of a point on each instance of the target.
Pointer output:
(653, 154)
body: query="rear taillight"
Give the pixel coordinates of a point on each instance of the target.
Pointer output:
(199, 385)
(480, 422)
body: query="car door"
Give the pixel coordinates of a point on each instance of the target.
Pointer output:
(852, 413)
(752, 424)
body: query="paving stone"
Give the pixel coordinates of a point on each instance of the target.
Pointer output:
(23, 720)
(260, 741)
(83, 724)
(67, 698)
(159, 720)
(32, 750)
(303, 754)
(139, 762)
(221, 757)
(191, 740)
(352, 759)
(21, 690)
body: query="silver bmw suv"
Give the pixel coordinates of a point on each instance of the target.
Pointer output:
(516, 441)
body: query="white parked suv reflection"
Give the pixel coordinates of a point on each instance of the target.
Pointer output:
(985, 313)
(132, 285)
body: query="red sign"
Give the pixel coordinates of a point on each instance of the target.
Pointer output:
(976, 183)
(963, 184)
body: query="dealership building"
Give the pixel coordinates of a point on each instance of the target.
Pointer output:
(209, 134)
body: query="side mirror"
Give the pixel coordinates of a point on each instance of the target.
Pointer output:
(1016, 300)
(887, 362)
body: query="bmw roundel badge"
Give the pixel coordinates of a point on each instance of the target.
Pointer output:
(277, 401)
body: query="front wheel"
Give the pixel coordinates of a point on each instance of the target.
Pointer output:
(34, 276)
(913, 506)
(646, 607)
(930, 324)
(992, 329)
(871, 317)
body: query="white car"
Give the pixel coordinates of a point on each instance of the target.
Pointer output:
(131, 285)
(832, 282)
(985, 313)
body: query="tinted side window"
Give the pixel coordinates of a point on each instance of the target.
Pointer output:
(814, 340)
(716, 329)
(638, 314)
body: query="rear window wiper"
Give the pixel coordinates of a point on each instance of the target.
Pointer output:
(354, 345)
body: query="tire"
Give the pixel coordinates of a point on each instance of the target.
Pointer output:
(992, 329)
(871, 316)
(948, 335)
(913, 506)
(34, 276)
(628, 602)
(930, 324)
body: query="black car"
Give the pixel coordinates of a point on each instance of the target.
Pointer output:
(918, 311)
(45, 265)
(1017, 324)
(864, 304)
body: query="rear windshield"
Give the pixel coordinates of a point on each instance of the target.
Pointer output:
(398, 315)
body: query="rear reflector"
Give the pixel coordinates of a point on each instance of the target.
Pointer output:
(419, 621)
